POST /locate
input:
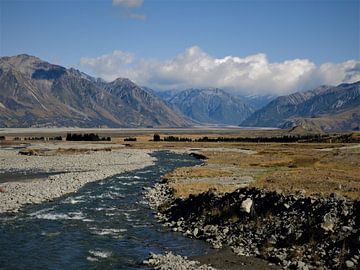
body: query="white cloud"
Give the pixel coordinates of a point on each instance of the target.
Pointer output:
(108, 66)
(195, 68)
(128, 3)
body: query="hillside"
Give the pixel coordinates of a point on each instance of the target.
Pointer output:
(330, 108)
(210, 106)
(35, 93)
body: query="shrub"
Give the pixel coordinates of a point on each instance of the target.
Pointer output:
(86, 137)
(157, 138)
(130, 139)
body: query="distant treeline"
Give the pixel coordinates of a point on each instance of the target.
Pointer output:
(281, 139)
(177, 139)
(86, 137)
(309, 138)
(56, 138)
(130, 139)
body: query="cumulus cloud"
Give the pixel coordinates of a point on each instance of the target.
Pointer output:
(253, 74)
(109, 66)
(128, 3)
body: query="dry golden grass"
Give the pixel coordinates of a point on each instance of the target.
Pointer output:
(186, 172)
(183, 190)
(286, 167)
(194, 180)
(317, 168)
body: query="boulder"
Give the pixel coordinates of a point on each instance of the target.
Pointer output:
(246, 205)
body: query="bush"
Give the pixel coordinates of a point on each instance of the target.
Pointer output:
(130, 139)
(86, 137)
(157, 138)
(177, 139)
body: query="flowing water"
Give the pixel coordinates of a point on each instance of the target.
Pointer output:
(105, 225)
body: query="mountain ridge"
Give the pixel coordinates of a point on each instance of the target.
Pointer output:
(36, 93)
(322, 103)
(209, 105)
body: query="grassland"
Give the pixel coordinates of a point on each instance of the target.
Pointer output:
(313, 168)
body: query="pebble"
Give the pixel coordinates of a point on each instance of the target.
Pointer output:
(170, 261)
(349, 264)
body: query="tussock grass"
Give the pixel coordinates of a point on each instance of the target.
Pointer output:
(285, 167)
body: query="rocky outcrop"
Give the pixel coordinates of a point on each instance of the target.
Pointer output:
(294, 231)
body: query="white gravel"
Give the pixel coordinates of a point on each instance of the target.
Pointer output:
(80, 169)
(170, 261)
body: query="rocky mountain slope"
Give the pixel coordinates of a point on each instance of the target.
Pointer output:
(257, 101)
(210, 106)
(37, 93)
(330, 108)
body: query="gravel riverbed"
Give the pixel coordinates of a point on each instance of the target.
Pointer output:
(77, 170)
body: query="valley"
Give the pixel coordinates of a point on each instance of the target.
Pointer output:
(180, 135)
(284, 173)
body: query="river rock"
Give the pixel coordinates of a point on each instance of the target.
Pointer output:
(349, 264)
(246, 205)
(328, 224)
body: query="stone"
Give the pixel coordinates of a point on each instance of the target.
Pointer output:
(195, 232)
(328, 224)
(346, 228)
(246, 205)
(349, 264)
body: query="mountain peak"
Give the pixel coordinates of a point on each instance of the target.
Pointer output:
(210, 105)
(123, 81)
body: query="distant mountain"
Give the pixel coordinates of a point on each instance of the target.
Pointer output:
(330, 108)
(37, 93)
(210, 106)
(258, 101)
(166, 95)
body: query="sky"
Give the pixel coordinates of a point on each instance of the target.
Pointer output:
(250, 47)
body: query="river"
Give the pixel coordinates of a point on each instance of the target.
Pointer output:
(105, 225)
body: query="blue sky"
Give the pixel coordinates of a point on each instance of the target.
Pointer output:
(65, 32)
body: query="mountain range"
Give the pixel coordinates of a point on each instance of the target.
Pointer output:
(327, 108)
(209, 106)
(35, 93)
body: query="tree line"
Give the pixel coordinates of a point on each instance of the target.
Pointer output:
(86, 137)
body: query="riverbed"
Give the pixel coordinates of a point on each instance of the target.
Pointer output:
(104, 225)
